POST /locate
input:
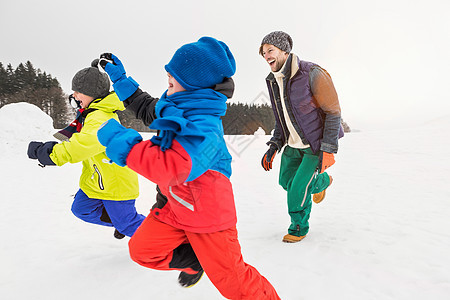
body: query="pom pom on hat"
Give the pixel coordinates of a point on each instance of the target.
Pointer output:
(91, 82)
(202, 64)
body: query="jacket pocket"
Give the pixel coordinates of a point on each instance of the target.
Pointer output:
(99, 176)
(186, 196)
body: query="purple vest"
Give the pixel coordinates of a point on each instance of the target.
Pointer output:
(302, 108)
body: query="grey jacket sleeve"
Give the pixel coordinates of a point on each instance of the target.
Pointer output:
(142, 105)
(323, 90)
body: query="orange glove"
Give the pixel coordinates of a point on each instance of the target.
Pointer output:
(268, 157)
(326, 160)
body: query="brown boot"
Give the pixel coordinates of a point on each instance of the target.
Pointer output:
(317, 198)
(289, 238)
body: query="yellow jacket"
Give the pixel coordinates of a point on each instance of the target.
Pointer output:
(100, 178)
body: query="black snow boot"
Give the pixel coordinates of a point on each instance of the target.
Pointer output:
(187, 280)
(118, 235)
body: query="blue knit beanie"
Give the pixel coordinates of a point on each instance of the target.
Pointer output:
(202, 64)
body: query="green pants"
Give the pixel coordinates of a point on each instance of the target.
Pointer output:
(298, 177)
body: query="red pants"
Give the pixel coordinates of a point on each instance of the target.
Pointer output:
(219, 253)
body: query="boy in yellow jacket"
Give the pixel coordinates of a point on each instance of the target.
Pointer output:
(107, 191)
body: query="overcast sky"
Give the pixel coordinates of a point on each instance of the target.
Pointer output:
(389, 59)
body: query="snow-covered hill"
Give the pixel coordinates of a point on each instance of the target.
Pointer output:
(381, 233)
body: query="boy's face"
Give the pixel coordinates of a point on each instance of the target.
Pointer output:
(85, 100)
(174, 86)
(274, 56)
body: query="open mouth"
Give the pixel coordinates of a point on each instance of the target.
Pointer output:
(271, 62)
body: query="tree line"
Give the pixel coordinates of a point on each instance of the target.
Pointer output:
(240, 119)
(28, 84)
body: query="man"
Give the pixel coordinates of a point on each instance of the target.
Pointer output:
(308, 116)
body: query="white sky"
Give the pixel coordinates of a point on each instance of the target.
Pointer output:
(389, 59)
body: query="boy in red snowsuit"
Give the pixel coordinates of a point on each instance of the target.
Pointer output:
(195, 229)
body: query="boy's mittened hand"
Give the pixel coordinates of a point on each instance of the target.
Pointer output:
(118, 140)
(32, 149)
(41, 151)
(107, 130)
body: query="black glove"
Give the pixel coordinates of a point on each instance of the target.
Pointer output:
(268, 157)
(124, 85)
(106, 58)
(41, 152)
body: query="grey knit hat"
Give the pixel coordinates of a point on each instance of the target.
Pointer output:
(279, 39)
(91, 82)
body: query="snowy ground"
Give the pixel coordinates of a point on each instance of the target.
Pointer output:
(381, 233)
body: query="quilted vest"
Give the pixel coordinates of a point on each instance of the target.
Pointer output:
(305, 114)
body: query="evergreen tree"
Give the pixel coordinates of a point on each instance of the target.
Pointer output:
(29, 76)
(3, 80)
(10, 88)
(20, 77)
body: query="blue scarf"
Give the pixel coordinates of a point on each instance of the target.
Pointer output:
(189, 114)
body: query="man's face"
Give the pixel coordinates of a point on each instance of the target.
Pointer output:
(274, 57)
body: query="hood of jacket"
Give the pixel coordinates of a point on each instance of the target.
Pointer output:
(110, 103)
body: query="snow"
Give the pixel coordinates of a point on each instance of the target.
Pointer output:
(382, 231)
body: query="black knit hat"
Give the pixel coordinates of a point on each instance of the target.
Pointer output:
(279, 39)
(91, 82)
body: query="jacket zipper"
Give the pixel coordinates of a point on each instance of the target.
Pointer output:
(100, 180)
(278, 111)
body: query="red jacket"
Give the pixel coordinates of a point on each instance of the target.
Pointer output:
(203, 205)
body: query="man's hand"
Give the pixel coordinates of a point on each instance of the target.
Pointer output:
(268, 157)
(326, 160)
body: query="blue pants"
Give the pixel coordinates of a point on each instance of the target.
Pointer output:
(123, 214)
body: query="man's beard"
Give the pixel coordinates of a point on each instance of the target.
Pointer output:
(278, 65)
